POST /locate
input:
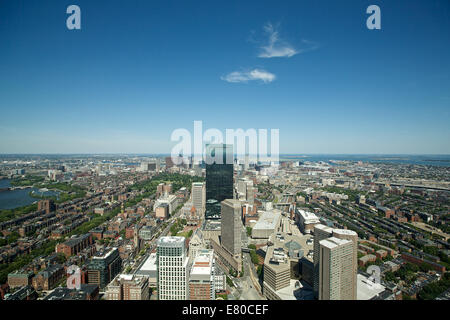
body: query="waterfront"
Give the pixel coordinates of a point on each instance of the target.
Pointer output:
(11, 199)
(5, 183)
(425, 160)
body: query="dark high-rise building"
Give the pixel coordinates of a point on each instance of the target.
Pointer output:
(103, 267)
(219, 177)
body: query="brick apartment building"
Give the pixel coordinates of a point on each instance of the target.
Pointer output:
(75, 245)
(20, 279)
(48, 278)
(47, 205)
(97, 233)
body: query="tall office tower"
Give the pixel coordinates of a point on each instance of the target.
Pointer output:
(219, 177)
(172, 266)
(136, 240)
(246, 162)
(201, 278)
(198, 170)
(159, 189)
(320, 232)
(144, 167)
(151, 165)
(241, 188)
(147, 166)
(231, 226)
(245, 190)
(336, 269)
(103, 267)
(199, 197)
(353, 237)
(250, 196)
(169, 162)
(158, 164)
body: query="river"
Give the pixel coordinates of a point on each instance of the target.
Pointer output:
(11, 199)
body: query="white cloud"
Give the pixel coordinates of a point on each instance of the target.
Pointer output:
(245, 76)
(275, 47)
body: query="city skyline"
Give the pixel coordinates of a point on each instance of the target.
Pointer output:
(135, 228)
(180, 153)
(134, 74)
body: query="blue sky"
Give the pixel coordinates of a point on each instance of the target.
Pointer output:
(139, 69)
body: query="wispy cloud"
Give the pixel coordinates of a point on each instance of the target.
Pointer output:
(308, 46)
(275, 47)
(246, 76)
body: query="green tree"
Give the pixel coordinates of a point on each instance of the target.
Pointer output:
(254, 257)
(425, 267)
(259, 271)
(229, 282)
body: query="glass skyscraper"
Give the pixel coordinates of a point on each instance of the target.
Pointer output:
(103, 267)
(219, 177)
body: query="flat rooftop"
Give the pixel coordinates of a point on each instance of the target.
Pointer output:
(277, 259)
(345, 232)
(171, 240)
(333, 242)
(203, 263)
(212, 225)
(296, 291)
(232, 202)
(268, 220)
(366, 289)
(150, 263)
(323, 228)
(103, 254)
(309, 217)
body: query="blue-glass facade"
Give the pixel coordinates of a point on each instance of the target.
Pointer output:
(219, 177)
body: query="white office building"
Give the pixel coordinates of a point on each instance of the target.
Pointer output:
(245, 190)
(169, 199)
(267, 224)
(320, 232)
(307, 221)
(172, 268)
(199, 197)
(336, 271)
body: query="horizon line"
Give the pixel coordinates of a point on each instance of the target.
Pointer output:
(280, 154)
